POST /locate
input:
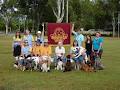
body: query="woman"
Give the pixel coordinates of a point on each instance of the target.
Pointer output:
(88, 46)
(17, 45)
(78, 54)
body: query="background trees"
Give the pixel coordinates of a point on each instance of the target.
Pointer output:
(88, 14)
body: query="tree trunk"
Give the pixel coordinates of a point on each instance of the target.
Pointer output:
(6, 28)
(60, 11)
(113, 24)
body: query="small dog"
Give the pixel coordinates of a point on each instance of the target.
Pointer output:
(36, 60)
(68, 65)
(60, 64)
(44, 67)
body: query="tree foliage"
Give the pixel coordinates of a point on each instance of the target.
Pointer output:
(86, 14)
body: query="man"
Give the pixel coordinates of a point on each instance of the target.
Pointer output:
(78, 37)
(28, 37)
(25, 51)
(39, 37)
(97, 44)
(97, 51)
(59, 52)
(46, 52)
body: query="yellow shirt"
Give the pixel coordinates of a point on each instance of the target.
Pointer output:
(46, 50)
(36, 50)
(17, 39)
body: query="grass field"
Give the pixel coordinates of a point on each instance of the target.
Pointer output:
(108, 79)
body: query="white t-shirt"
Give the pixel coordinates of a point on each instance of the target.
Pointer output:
(59, 51)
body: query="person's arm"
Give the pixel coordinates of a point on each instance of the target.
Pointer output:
(100, 47)
(42, 36)
(49, 51)
(101, 44)
(75, 33)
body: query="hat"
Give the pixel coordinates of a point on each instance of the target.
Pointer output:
(39, 32)
(45, 40)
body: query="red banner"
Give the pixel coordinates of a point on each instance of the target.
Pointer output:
(59, 31)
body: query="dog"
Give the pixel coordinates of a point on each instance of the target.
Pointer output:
(87, 67)
(60, 64)
(68, 65)
(36, 61)
(97, 61)
(44, 67)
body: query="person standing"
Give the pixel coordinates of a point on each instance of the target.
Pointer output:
(88, 46)
(28, 37)
(17, 47)
(97, 49)
(78, 37)
(39, 37)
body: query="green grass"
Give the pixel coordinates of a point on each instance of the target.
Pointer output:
(108, 79)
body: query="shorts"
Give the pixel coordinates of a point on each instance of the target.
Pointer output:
(79, 59)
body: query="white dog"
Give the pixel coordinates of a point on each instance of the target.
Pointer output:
(36, 60)
(44, 67)
(60, 65)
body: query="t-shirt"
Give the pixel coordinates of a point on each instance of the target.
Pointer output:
(97, 42)
(36, 50)
(59, 51)
(29, 38)
(88, 46)
(26, 50)
(79, 38)
(46, 50)
(16, 41)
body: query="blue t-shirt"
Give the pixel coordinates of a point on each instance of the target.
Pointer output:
(97, 42)
(25, 50)
(79, 38)
(29, 38)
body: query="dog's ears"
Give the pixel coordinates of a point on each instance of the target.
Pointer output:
(68, 56)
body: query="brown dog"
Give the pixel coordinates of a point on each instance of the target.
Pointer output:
(87, 67)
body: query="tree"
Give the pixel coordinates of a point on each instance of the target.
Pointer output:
(6, 12)
(58, 7)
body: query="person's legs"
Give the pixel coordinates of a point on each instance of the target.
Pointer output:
(55, 60)
(49, 62)
(77, 63)
(81, 59)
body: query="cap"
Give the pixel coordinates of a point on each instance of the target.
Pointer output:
(39, 32)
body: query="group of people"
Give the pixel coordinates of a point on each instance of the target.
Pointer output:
(28, 46)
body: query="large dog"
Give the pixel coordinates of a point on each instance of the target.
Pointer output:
(87, 67)
(68, 65)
